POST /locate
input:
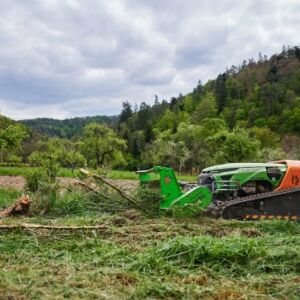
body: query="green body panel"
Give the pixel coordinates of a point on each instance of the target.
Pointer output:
(169, 188)
(229, 177)
(217, 168)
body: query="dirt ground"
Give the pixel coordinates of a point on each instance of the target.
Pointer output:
(18, 182)
(14, 182)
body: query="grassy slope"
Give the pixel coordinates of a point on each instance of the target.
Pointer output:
(139, 257)
(17, 171)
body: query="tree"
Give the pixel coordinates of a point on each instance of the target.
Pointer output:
(143, 116)
(167, 153)
(126, 112)
(188, 104)
(194, 140)
(101, 143)
(207, 108)
(167, 121)
(291, 145)
(136, 143)
(292, 121)
(47, 161)
(220, 90)
(11, 138)
(271, 154)
(70, 155)
(66, 153)
(266, 137)
(211, 126)
(234, 146)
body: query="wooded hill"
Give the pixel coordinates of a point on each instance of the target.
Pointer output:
(250, 112)
(256, 104)
(65, 128)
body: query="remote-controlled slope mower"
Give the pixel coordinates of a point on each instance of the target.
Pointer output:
(235, 190)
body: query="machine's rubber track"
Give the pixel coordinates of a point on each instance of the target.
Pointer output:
(284, 204)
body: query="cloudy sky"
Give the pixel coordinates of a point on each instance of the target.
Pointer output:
(74, 58)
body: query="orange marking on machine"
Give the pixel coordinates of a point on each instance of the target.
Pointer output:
(292, 174)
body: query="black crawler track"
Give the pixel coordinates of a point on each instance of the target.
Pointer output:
(284, 204)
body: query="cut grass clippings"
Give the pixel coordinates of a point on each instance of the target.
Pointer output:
(132, 262)
(135, 256)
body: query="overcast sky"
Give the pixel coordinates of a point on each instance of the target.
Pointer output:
(64, 58)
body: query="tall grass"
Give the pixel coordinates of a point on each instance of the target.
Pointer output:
(65, 172)
(7, 196)
(23, 171)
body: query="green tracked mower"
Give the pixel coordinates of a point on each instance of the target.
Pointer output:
(236, 190)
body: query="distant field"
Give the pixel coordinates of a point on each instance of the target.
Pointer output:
(21, 171)
(114, 174)
(135, 256)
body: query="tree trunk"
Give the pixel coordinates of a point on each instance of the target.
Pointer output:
(103, 156)
(98, 159)
(20, 207)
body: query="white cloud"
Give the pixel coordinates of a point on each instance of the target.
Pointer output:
(67, 58)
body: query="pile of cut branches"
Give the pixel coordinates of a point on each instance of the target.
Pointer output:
(93, 193)
(106, 190)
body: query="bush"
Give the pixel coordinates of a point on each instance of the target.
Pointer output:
(42, 182)
(34, 178)
(45, 197)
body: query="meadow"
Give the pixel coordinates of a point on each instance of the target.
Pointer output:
(132, 255)
(65, 172)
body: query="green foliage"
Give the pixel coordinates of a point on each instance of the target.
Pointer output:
(292, 120)
(207, 108)
(67, 128)
(266, 136)
(42, 181)
(213, 252)
(234, 146)
(11, 138)
(13, 158)
(102, 144)
(76, 202)
(45, 196)
(167, 153)
(47, 161)
(150, 200)
(188, 104)
(7, 196)
(33, 179)
(271, 154)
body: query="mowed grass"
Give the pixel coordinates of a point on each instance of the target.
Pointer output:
(140, 257)
(64, 172)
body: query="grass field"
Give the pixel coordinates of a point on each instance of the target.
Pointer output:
(140, 257)
(114, 174)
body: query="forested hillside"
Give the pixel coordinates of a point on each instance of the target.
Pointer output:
(65, 128)
(251, 112)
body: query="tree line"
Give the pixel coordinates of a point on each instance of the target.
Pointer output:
(251, 112)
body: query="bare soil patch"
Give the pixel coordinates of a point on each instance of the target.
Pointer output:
(18, 182)
(13, 182)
